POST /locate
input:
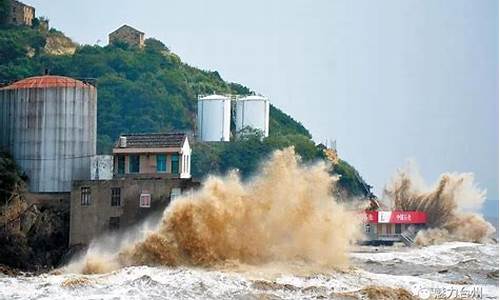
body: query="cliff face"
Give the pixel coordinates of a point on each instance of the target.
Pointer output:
(58, 44)
(33, 237)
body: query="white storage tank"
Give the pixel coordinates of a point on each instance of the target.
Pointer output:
(48, 124)
(214, 118)
(253, 112)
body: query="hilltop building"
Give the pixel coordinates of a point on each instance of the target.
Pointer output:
(20, 14)
(149, 171)
(129, 35)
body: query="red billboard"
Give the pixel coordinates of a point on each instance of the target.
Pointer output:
(396, 217)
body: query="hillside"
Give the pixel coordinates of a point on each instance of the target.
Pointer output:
(152, 90)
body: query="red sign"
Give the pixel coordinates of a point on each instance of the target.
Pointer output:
(396, 217)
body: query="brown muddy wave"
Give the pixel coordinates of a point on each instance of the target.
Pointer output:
(446, 204)
(286, 213)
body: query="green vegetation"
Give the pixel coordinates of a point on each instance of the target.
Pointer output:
(152, 90)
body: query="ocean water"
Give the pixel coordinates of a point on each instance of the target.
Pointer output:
(456, 267)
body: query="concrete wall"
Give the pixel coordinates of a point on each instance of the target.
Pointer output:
(101, 167)
(88, 222)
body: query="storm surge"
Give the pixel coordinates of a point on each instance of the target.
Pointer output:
(286, 213)
(450, 205)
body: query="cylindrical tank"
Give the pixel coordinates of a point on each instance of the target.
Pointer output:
(214, 118)
(48, 124)
(253, 112)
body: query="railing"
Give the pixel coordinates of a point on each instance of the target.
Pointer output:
(389, 237)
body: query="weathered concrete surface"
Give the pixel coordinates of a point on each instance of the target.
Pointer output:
(88, 222)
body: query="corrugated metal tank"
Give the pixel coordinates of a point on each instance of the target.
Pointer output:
(214, 118)
(253, 111)
(48, 124)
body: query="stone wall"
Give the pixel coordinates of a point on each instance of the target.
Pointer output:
(21, 14)
(127, 35)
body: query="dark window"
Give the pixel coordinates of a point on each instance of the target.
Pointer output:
(175, 164)
(161, 163)
(115, 197)
(114, 223)
(398, 228)
(134, 164)
(367, 228)
(85, 196)
(121, 164)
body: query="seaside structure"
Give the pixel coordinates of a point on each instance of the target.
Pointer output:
(48, 124)
(129, 35)
(387, 227)
(149, 171)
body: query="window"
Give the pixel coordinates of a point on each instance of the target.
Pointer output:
(175, 164)
(85, 196)
(116, 197)
(398, 228)
(161, 163)
(134, 164)
(121, 164)
(388, 228)
(367, 228)
(114, 223)
(145, 200)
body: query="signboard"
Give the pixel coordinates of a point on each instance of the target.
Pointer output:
(384, 216)
(396, 217)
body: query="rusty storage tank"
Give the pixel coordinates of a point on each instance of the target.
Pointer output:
(48, 123)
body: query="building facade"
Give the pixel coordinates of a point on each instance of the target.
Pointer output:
(129, 35)
(103, 206)
(164, 154)
(387, 227)
(20, 14)
(149, 170)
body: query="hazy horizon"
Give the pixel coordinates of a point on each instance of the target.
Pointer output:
(389, 80)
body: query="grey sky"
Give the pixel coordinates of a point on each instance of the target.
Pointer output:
(391, 80)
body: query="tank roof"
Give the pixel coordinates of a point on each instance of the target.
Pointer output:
(252, 97)
(214, 97)
(47, 81)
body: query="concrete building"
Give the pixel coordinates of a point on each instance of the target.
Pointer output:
(20, 14)
(149, 171)
(387, 227)
(101, 206)
(48, 124)
(129, 35)
(166, 154)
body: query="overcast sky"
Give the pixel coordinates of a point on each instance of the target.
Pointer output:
(390, 80)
